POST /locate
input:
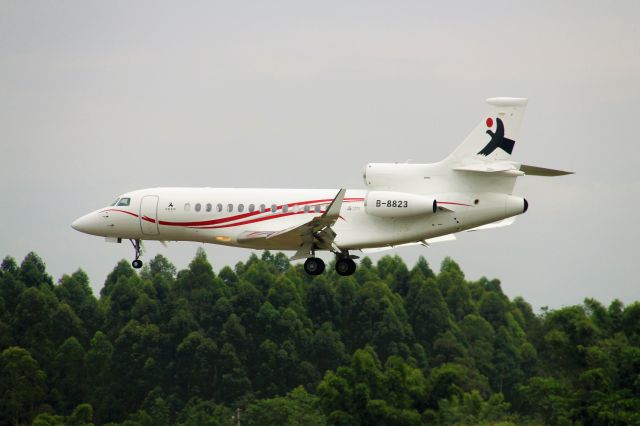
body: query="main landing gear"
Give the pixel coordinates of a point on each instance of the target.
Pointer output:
(344, 265)
(314, 266)
(137, 246)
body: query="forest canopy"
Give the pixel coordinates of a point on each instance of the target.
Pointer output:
(390, 345)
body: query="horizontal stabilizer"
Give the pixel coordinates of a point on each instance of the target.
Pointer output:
(541, 171)
(505, 168)
(486, 167)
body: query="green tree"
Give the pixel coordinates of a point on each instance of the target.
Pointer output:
(548, 398)
(393, 270)
(422, 266)
(321, 302)
(121, 299)
(378, 318)
(493, 308)
(33, 272)
(22, 385)
(459, 301)
(428, 313)
(99, 377)
(233, 382)
(480, 338)
(65, 323)
(135, 363)
(450, 275)
(197, 365)
(32, 322)
(328, 350)
(122, 270)
(76, 292)
(204, 413)
(70, 375)
(297, 408)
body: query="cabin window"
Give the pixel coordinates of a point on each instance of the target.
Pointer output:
(263, 208)
(209, 206)
(274, 208)
(229, 207)
(198, 207)
(318, 208)
(240, 208)
(306, 209)
(252, 207)
(187, 207)
(124, 202)
(285, 208)
(219, 207)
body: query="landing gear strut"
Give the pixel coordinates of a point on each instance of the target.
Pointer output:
(314, 266)
(137, 263)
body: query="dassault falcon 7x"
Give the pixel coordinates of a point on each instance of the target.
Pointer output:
(402, 204)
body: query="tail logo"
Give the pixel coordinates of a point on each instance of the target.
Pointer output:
(497, 139)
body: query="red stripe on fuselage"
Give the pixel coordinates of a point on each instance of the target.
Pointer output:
(118, 210)
(455, 204)
(235, 217)
(202, 224)
(259, 219)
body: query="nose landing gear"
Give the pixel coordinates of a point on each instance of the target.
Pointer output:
(137, 246)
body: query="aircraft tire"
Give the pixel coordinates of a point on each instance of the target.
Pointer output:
(137, 264)
(314, 266)
(345, 267)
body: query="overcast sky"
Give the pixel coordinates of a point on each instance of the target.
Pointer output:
(99, 98)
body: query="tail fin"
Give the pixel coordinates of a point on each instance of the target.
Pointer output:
(494, 138)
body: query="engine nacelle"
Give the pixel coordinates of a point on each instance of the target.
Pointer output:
(384, 176)
(398, 204)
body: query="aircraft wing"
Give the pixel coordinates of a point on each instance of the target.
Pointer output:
(498, 224)
(316, 233)
(425, 243)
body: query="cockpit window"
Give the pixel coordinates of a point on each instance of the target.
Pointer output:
(124, 201)
(115, 202)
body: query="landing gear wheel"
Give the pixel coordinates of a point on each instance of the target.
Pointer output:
(137, 246)
(314, 266)
(345, 267)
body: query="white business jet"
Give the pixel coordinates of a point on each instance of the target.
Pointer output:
(402, 204)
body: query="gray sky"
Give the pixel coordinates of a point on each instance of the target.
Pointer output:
(99, 98)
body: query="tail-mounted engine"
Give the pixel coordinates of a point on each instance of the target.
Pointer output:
(391, 175)
(398, 204)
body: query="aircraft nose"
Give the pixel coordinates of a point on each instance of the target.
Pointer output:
(85, 224)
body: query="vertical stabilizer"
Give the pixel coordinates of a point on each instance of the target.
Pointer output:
(494, 139)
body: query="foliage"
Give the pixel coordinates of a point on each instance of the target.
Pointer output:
(390, 345)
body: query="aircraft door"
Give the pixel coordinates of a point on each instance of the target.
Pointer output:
(149, 215)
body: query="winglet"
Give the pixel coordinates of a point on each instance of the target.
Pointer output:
(333, 211)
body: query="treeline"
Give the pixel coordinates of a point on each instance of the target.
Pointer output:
(387, 346)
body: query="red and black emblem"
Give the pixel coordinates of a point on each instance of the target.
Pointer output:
(497, 139)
